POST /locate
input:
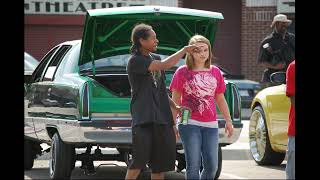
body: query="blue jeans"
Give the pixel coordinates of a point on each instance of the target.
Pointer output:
(290, 168)
(200, 142)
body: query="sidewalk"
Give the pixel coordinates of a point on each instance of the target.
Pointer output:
(240, 150)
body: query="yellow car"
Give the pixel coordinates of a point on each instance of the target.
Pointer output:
(269, 123)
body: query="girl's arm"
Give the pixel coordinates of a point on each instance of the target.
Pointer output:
(223, 107)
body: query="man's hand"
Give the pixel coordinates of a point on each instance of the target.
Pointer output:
(276, 66)
(175, 112)
(171, 60)
(190, 48)
(279, 66)
(179, 109)
(176, 132)
(229, 128)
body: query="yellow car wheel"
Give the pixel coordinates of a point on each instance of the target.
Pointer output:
(260, 146)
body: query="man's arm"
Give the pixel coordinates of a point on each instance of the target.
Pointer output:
(174, 109)
(277, 66)
(172, 103)
(171, 60)
(266, 54)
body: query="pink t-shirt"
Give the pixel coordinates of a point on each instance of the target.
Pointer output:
(198, 90)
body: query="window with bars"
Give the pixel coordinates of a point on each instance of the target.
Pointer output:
(260, 3)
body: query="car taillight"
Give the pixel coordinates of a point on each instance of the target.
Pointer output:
(85, 102)
(112, 120)
(236, 104)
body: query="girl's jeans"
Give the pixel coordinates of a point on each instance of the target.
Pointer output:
(200, 142)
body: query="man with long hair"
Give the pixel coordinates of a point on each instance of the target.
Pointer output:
(153, 126)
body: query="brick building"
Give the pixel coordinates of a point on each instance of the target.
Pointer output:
(245, 24)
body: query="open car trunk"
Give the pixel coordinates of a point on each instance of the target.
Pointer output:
(116, 84)
(107, 32)
(106, 43)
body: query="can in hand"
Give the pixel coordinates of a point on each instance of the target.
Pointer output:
(185, 115)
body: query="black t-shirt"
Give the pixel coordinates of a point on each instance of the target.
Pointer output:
(281, 50)
(149, 98)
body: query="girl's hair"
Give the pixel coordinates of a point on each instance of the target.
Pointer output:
(139, 31)
(194, 39)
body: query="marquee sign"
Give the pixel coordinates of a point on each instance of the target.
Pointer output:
(64, 7)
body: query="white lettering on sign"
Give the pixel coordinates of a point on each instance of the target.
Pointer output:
(75, 6)
(286, 6)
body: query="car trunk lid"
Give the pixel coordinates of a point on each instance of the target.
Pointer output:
(107, 32)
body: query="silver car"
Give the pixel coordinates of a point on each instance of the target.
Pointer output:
(30, 63)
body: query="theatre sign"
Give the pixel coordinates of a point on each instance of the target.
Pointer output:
(64, 7)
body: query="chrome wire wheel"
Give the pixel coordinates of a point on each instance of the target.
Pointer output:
(257, 135)
(259, 139)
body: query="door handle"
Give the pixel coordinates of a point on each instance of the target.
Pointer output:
(49, 92)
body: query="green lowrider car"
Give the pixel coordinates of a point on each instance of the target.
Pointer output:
(79, 94)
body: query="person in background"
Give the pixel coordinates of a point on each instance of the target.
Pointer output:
(277, 50)
(290, 92)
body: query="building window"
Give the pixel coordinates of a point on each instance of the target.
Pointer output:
(260, 3)
(261, 16)
(264, 15)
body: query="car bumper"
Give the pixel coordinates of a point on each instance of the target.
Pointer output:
(94, 132)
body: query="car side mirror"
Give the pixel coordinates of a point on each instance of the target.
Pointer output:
(278, 77)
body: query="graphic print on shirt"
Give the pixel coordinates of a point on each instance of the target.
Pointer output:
(200, 91)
